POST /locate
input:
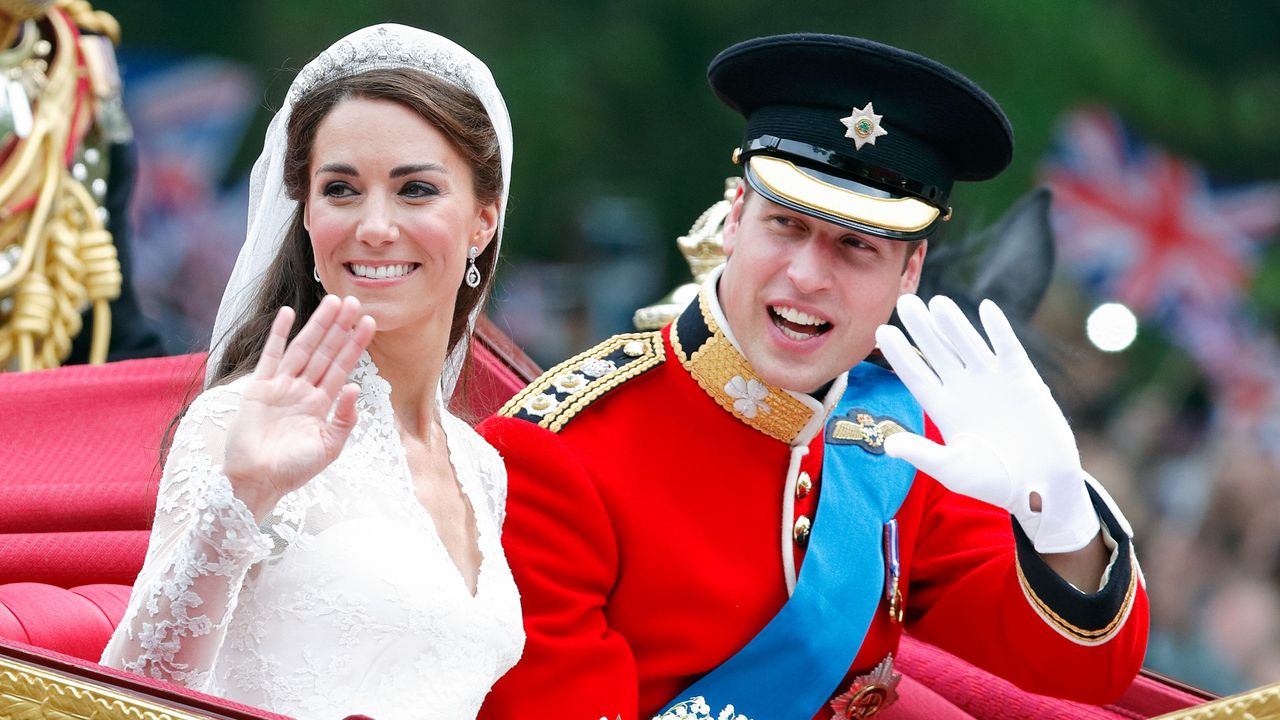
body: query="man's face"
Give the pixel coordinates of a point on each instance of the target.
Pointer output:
(804, 296)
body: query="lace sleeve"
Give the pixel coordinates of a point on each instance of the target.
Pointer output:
(203, 542)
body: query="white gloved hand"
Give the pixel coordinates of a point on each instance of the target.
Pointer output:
(1005, 436)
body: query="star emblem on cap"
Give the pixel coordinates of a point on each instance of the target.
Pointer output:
(863, 126)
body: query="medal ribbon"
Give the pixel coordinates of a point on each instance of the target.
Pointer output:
(791, 668)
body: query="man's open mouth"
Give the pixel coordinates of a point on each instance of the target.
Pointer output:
(796, 324)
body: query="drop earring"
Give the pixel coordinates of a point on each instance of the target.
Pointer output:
(472, 278)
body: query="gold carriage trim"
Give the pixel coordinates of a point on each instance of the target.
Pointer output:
(1263, 702)
(724, 374)
(1079, 635)
(565, 390)
(30, 691)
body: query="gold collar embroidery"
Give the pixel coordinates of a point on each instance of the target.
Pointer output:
(725, 375)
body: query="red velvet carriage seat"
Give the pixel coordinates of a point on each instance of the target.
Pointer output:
(79, 465)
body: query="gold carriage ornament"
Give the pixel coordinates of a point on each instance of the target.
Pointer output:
(703, 249)
(60, 108)
(1258, 704)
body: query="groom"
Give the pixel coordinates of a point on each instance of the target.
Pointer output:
(722, 513)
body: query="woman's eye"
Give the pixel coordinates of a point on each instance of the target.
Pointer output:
(418, 189)
(338, 190)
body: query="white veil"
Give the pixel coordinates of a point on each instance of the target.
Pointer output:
(270, 209)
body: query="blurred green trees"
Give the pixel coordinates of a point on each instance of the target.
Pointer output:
(610, 98)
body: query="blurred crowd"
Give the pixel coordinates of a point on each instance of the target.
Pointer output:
(1199, 487)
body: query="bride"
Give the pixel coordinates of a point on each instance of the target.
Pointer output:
(326, 534)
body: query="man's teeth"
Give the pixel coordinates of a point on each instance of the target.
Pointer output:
(793, 334)
(380, 272)
(797, 324)
(800, 318)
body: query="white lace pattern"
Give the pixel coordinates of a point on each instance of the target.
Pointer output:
(344, 601)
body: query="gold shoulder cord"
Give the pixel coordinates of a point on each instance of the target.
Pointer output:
(56, 257)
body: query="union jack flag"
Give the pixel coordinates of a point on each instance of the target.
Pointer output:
(1148, 229)
(1141, 226)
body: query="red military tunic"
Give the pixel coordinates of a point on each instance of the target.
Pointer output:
(644, 524)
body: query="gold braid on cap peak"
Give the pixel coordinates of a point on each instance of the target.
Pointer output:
(56, 256)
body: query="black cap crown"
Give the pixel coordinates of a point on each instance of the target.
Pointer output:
(859, 133)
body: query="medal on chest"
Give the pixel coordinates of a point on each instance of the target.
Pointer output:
(868, 694)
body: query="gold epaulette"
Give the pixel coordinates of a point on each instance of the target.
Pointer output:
(562, 392)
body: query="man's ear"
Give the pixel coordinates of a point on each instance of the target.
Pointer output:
(911, 271)
(733, 221)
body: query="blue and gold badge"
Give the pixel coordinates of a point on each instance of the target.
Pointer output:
(861, 428)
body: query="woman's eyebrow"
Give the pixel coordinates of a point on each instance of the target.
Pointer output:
(339, 168)
(402, 170)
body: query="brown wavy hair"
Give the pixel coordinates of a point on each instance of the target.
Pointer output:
(456, 112)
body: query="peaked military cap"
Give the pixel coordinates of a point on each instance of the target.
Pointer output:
(858, 133)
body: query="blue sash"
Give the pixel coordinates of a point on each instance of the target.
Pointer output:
(797, 662)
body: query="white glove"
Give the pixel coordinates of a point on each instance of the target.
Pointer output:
(1005, 436)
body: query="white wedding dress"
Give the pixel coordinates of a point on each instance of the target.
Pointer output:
(344, 601)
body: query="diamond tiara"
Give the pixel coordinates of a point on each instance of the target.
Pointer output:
(381, 49)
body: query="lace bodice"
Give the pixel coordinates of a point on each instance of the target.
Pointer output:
(344, 600)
